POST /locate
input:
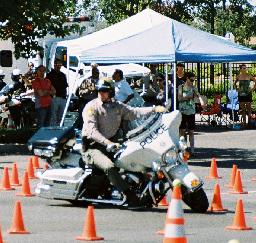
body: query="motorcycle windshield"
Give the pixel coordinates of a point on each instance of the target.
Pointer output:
(140, 125)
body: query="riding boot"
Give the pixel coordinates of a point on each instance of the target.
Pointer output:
(117, 181)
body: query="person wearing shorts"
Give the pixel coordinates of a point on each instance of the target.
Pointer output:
(187, 93)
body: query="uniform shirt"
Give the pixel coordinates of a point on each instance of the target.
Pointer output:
(102, 120)
(122, 90)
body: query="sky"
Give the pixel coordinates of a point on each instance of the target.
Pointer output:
(253, 2)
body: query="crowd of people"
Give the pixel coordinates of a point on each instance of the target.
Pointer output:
(50, 91)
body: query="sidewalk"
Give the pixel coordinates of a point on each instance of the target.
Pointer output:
(12, 149)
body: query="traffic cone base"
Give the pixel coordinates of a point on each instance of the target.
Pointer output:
(89, 231)
(17, 222)
(176, 240)
(239, 219)
(237, 228)
(6, 186)
(213, 170)
(89, 238)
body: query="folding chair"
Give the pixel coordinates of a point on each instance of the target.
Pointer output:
(212, 114)
(231, 108)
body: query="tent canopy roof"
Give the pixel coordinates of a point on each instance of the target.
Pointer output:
(151, 37)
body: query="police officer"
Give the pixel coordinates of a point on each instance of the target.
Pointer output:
(102, 118)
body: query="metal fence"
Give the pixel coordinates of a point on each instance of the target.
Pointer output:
(213, 78)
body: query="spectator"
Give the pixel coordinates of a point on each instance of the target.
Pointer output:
(87, 92)
(59, 82)
(161, 84)
(18, 84)
(245, 84)
(179, 81)
(123, 91)
(29, 76)
(2, 76)
(187, 92)
(44, 91)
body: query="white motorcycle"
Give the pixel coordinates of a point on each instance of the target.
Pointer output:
(150, 159)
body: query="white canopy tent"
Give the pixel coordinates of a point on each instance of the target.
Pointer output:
(149, 37)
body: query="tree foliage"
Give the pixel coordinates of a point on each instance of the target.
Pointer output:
(25, 21)
(215, 16)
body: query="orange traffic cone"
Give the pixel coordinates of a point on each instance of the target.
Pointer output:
(163, 202)
(14, 177)
(17, 221)
(30, 170)
(238, 186)
(35, 162)
(89, 231)
(216, 205)
(232, 176)
(1, 238)
(174, 225)
(6, 181)
(25, 187)
(213, 170)
(239, 219)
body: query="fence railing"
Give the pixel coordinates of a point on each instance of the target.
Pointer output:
(213, 78)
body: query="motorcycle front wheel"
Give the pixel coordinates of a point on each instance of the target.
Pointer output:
(197, 200)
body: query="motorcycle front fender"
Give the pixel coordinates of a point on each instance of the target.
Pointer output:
(188, 178)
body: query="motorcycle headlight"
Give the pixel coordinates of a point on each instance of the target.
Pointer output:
(170, 156)
(43, 152)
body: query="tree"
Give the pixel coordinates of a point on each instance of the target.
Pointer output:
(25, 21)
(115, 10)
(221, 16)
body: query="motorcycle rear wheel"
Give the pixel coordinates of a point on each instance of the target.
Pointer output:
(197, 200)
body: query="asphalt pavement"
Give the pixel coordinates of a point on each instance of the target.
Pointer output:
(59, 221)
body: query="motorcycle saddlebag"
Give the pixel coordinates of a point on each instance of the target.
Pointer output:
(51, 136)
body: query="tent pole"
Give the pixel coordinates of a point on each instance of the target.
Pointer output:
(174, 87)
(231, 88)
(166, 85)
(70, 93)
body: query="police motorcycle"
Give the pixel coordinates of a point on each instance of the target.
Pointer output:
(150, 158)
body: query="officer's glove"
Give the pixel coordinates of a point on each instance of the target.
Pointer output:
(112, 147)
(159, 109)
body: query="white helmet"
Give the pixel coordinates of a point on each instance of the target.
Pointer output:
(16, 71)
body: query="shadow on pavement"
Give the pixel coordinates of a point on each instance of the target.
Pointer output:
(244, 159)
(14, 149)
